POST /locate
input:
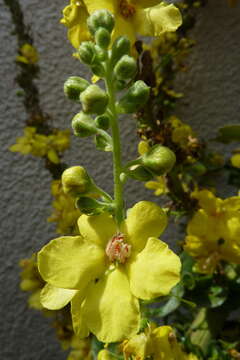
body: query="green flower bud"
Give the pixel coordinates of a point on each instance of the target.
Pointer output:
(83, 125)
(74, 86)
(76, 181)
(102, 143)
(136, 96)
(94, 100)
(126, 68)
(87, 52)
(101, 54)
(121, 46)
(98, 70)
(102, 122)
(159, 159)
(102, 38)
(101, 19)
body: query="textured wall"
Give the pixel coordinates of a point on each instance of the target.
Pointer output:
(212, 90)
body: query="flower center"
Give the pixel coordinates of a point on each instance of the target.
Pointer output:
(117, 249)
(127, 10)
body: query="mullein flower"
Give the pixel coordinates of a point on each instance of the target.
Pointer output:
(28, 55)
(146, 18)
(158, 343)
(159, 185)
(213, 234)
(106, 269)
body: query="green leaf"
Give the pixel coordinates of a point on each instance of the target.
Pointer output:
(228, 134)
(102, 143)
(217, 295)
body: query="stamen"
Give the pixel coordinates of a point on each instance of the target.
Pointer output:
(127, 10)
(117, 249)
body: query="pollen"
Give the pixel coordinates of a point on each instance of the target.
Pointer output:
(117, 249)
(127, 10)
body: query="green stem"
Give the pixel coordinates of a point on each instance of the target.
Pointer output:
(117, 158)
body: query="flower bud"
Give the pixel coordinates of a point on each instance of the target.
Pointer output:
(102, 122)
(98, 70)
(102, 38)
(87, 52)
(101, 19)
(74, 86)
(125, 68)
(94, 100)
(121, 46)
(159, 159)
(83, 125)
(136, 96)
(76, 181)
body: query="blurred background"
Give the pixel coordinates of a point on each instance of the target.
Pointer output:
(212, 98)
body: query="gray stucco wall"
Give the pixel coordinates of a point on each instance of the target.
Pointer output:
(212, 88)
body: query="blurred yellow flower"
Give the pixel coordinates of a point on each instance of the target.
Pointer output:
(132, 17)
(182, 134)
(65, 213)
(29, 54)
(214, 231)
(42, 145)
(100, 271)
(235, 160)
(159, 185)
(158, 343)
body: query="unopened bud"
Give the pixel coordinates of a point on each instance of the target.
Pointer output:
(74, 86)
(83, 125)
(159, 159)
(87, 52)
(121, 46)
(102, 38)
(102, 122)
(136, 96)
(125, 68)
(101, 19)
(76, 181)
(94, 100)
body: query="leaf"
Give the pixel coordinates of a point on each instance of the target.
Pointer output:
(217, 295)
(228, 134)
(102, 143)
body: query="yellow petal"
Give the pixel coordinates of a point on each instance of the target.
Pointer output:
(110, 310)
(54, 298)
(124, 28)
(203, 225)
(79, 326)
(157, 20)
(97, 229)
(235, 160)
(154, 271)
(165, 344)
(208, 201)
(110, 5)
(69, 262)
(144, 219)
(231, 204)
(145, 3)
(78, 34)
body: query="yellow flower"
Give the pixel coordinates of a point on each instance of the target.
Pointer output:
(158, 343)
(101, 271)
(235, 160)
(42, 145)
(29, 54)
(132, 17)
(182, 134)
(65, 213)
(159, 185)
(214, 231)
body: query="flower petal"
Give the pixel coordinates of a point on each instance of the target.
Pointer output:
(145, 3)
(110, 310)
(157, 20)
(124, 28)
(69, 262)
(154, 271)
(110, 5)
(97, 229)
(54, 298)
(144, 219)
(79, 326)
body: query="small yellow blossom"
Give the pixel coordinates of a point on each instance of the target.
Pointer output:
(160, 185)
(235, 160)
(100, 271)
(213, 234)
(42, 145)
(143, 147)
(29, 55)
(65, 213)
(182, 134)
(157, 343)
(142, 17)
